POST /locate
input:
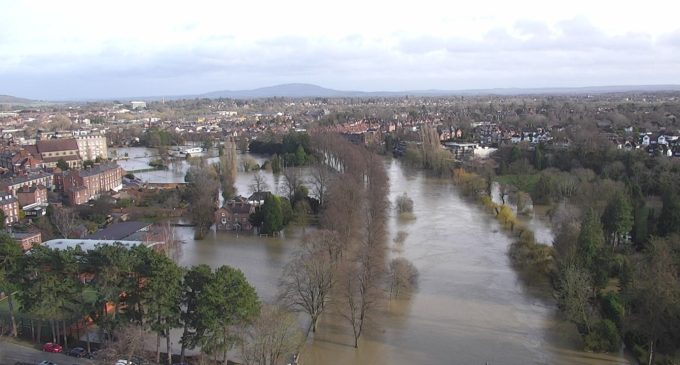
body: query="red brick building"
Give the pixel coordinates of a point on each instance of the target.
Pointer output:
(10, 206)
(234, 216)
(95, 181)
(28, 195)
(53, 150)
(27, 240)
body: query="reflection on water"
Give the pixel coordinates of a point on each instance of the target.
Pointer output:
(471, 306)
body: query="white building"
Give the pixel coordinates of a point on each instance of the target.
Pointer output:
(91, 147)
(138, 105)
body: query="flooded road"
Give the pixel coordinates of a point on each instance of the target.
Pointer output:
(471, 306)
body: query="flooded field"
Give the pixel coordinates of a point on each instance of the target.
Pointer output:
(472, 307)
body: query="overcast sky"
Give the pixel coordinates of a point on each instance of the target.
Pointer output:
(89, 49)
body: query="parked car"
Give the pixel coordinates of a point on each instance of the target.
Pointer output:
(78, 352)
(52, 347)
(45, 362)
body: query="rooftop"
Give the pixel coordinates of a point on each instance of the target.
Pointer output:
(88, 244)
(119, 231)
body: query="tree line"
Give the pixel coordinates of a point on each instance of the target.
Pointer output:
(129, 291)
(615, 259)
(342, 267)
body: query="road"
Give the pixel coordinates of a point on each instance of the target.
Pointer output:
(10, 353)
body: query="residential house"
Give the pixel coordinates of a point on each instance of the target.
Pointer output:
(10, 206)
(128, 231)
(19, 161)
(258, 198)
(96, 180)
(27, 239)
(13, 184)
(234, 216)
(28, 195)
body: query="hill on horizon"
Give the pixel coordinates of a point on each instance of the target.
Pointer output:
(301, 90)
(8, 99)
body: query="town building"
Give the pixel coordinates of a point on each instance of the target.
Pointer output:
(137, 105)
(27, 239)
(127, 231)
(234, 216)
(19, 160)
(29, 195)
(89, 245)
(83, 185)
(91, 147)
(53, 150)
(13, 184)
(10, 206)
(461, 151)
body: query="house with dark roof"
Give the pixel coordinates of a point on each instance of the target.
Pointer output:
(10, 206)
(19, 160)
(258, 197)
(234, 216)
(122, 231)
(14, 183)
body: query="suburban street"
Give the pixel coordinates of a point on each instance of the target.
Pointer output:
(11, 353)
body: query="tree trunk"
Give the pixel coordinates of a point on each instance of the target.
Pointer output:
(10, 303)
(167, 346)
(87, 336)
(183, 347)
(65, 334)
(651, 352)
(33, 330)
(158, 347)
(54, 333)
(40, 331)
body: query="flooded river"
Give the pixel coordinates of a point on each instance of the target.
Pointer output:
(471, 306)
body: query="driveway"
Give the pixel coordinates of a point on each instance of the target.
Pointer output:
(10, 353)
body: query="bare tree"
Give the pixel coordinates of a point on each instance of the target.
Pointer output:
(358, 292)
(259, 183)
(320, 181)
(64, 220)
(307, 281)
(402, 276)
(128, 342)
(273, 337)
(292, 182)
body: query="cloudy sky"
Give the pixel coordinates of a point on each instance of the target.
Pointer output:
(89, 49)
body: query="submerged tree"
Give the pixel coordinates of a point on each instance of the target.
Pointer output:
(271, 338)
(203, 193)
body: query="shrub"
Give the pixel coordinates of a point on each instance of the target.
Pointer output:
(604, 337)
(404, 204)
(612, 308)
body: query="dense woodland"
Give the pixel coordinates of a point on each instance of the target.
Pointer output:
(615, 261)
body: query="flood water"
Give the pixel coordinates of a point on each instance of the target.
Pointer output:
(471, 307)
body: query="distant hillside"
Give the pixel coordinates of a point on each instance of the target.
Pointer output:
(309, 90)
(285, 90)
(7, 99)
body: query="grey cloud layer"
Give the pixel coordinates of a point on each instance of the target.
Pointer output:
(571, 53)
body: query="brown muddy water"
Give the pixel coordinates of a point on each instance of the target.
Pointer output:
(471, 307)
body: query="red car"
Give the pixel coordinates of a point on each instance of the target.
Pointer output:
(52, 347)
